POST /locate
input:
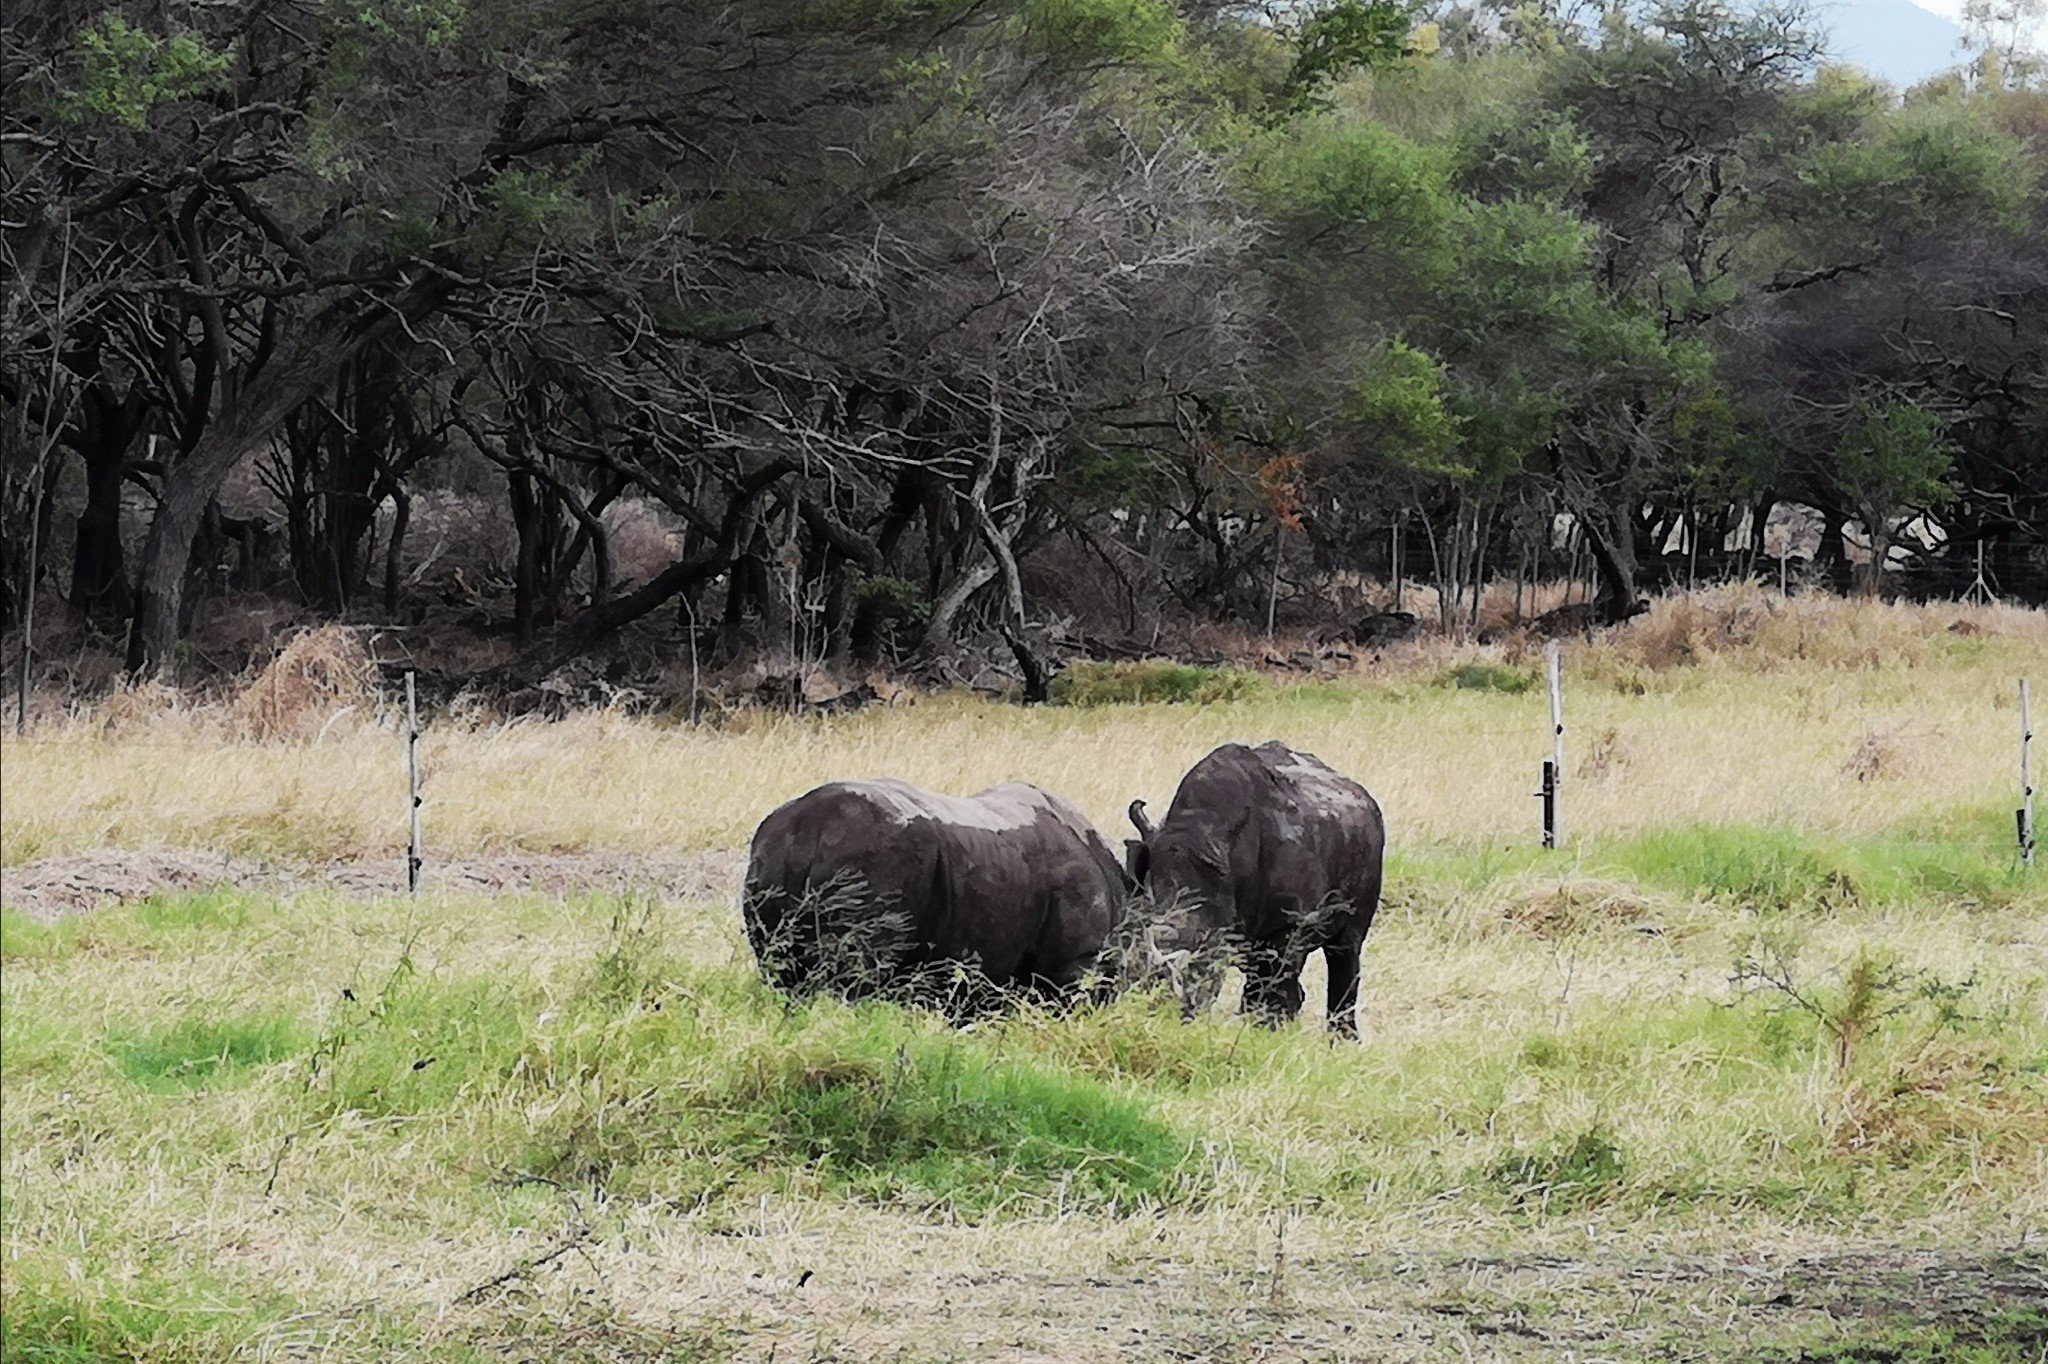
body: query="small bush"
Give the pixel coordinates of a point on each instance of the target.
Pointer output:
(1087, 683)
(1498, 677)
(1562, 1174)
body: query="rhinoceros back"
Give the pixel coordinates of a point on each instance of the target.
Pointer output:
(854, 885)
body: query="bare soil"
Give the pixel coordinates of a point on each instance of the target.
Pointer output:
(1849, 1308)
(82, 882)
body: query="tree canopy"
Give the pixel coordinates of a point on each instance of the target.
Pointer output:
(892, 307)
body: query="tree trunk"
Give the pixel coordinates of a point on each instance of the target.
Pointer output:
(394, 552)
(1614, 561)
(99, 575)
(1870, 576)
(250, 416)
(526, 567)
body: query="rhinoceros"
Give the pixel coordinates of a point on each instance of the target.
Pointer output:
(858, 886)
(1270, 852)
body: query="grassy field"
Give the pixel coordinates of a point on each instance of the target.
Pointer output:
(1756, 1070)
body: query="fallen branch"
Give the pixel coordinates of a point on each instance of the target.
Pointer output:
(577, 1238)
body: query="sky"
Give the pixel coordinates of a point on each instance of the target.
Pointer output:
(1947, 9)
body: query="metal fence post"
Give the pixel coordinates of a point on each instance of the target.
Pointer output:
(1553, 770)
(412, 774)
(2026, 810)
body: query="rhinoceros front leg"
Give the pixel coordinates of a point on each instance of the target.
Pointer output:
(1272, 983)
(1342, 959)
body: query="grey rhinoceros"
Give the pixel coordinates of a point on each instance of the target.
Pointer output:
(1272, 854)
(857, 886)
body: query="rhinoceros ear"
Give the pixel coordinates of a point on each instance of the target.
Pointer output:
(1144, 826)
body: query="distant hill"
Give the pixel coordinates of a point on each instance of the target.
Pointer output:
(1892, 39)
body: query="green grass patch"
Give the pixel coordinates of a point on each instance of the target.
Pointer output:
(203, 1048)
(23, 939)
(160, 1317)
(938, 1121)
(1087, 683)
(145, 926)
(1563, 1174)
(1496, 677)
(1760, 867)
(2004, 1337)
(1967, 860)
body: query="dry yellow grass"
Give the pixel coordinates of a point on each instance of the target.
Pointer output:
(1823, 715)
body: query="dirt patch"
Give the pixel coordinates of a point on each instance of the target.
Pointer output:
(82, 882)
(1733, 1310)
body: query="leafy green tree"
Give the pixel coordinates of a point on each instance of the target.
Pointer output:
(1892, 458)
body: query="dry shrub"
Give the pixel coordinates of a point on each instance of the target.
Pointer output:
(1578, 907)
(1607, 755)
(134, 707)
(1686, 630)
(1883, 755)
(1944, 1094)
(1745, 626)
(320, 676)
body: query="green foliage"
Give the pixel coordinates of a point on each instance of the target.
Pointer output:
(1341, 36)
(1089, 683)
(1397, 406)
(1364, 187)
(1496, 677)
(1521, 154)
(1895, 455)
(430, 23)
(1121, 32)
(1924, 169)
(125, 72)
(894, 598)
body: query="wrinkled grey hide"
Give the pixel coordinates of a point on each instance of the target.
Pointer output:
(858, 886)
(1269, 850)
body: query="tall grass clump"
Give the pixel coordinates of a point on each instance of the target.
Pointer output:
(1761, 868)
(643, 1071)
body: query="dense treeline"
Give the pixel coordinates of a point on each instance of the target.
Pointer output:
(900, 309)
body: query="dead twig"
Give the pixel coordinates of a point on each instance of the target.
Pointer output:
(578, 1237)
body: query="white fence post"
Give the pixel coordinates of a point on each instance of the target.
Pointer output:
(412, 775)
(2026, 810)
(1553, 771)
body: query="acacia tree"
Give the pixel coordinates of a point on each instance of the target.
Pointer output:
(858, 239)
